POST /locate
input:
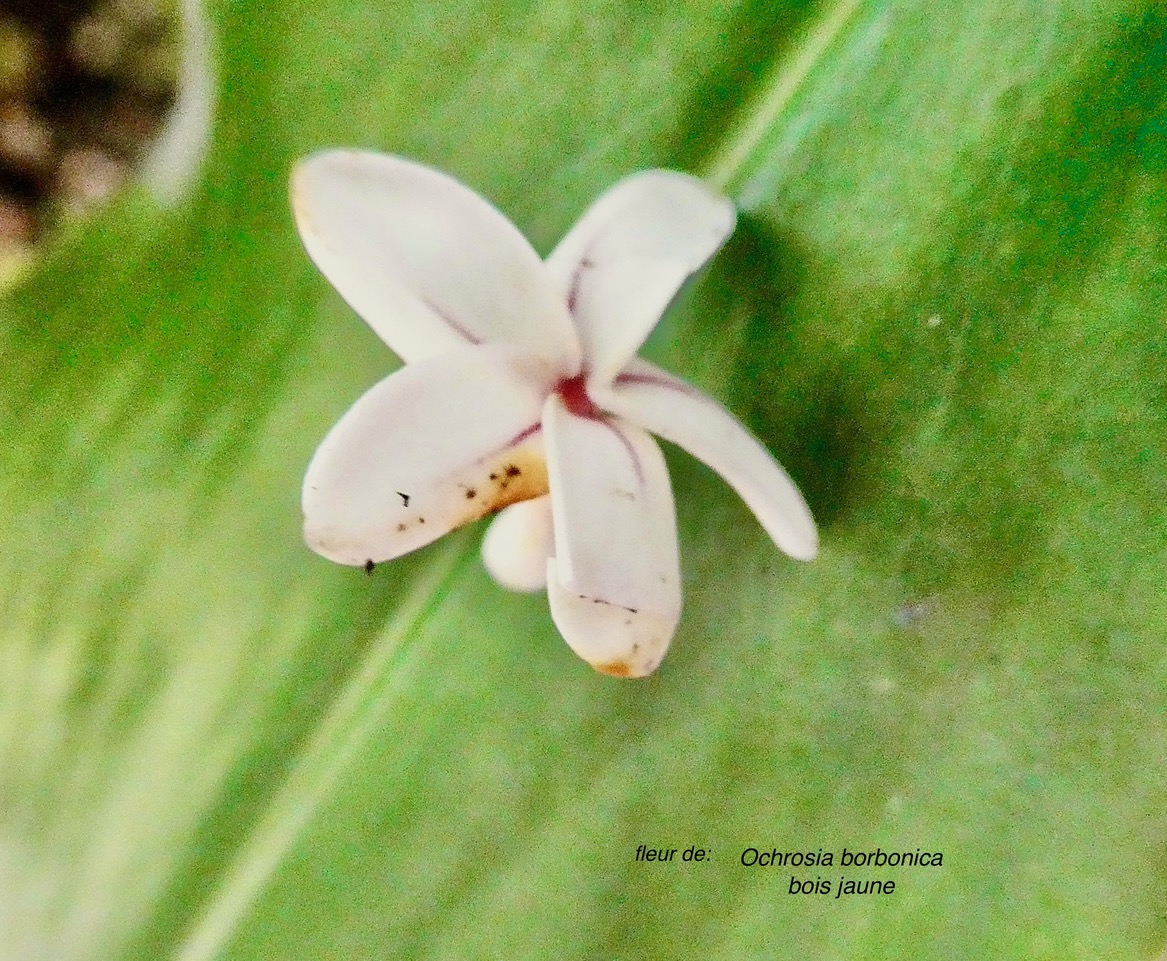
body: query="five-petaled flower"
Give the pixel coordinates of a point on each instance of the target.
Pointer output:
(521, 381)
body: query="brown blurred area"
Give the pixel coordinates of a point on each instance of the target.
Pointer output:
(84, 88)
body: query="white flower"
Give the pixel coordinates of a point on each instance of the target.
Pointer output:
(521, 378)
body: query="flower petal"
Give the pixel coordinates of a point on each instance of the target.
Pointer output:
(517, 545)
(435, 445)
(621, 265)
(614, 584)
(424, 260)
(691, 419)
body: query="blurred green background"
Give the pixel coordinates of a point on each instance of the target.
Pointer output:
(943, 310)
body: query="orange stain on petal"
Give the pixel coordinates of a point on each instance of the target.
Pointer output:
(519, 474)
(614, 669)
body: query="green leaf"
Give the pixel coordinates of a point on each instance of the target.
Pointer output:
(943, 310)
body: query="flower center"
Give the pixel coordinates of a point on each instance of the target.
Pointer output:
(574, 393)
